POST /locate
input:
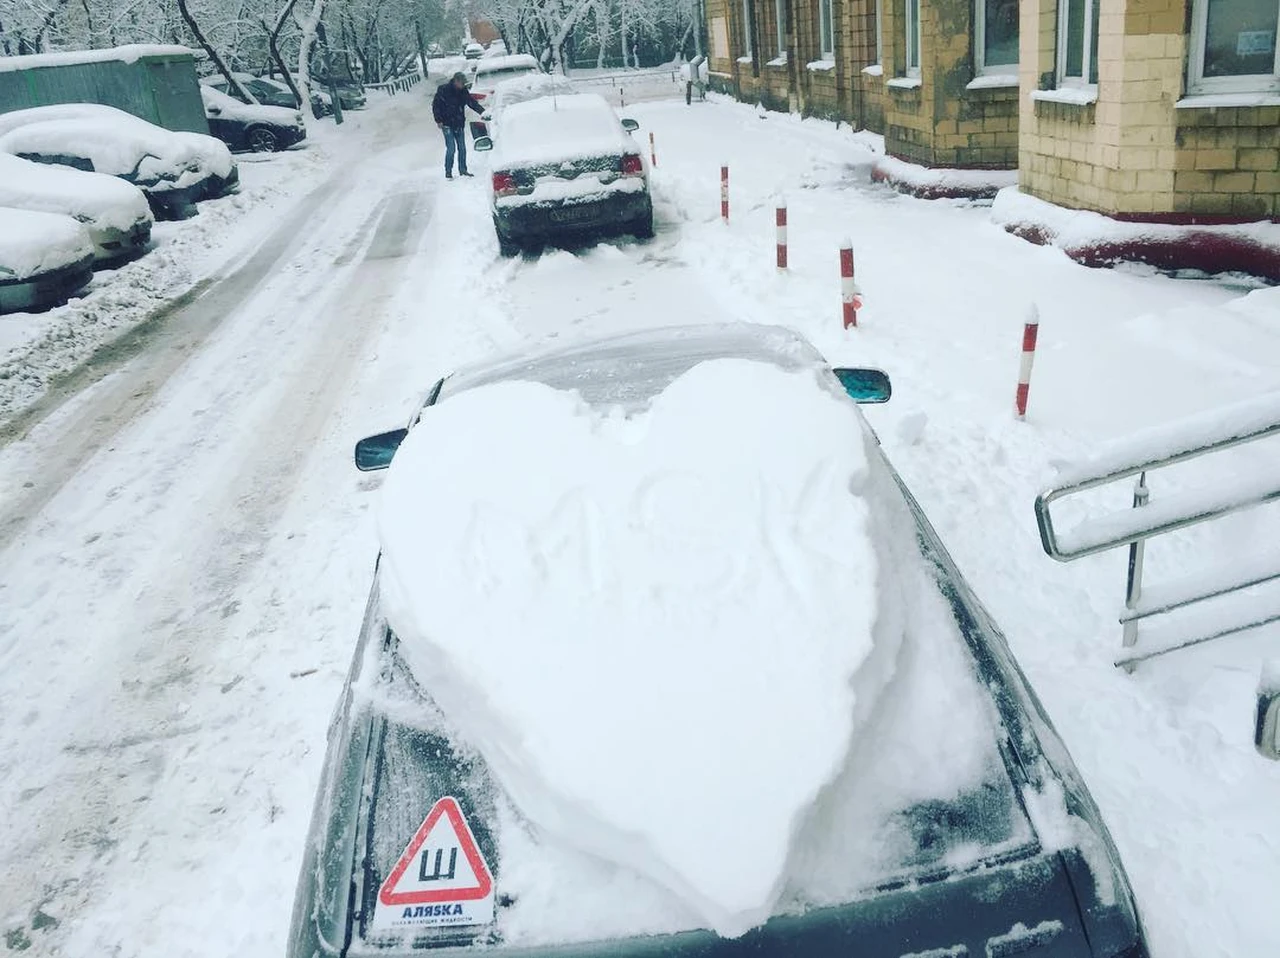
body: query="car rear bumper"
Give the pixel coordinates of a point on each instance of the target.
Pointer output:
(46, 290)
(113, 245)
(611, 212)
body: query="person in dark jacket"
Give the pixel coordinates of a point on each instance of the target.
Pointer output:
(449, 108)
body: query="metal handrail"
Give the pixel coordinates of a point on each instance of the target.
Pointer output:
(1235, 426)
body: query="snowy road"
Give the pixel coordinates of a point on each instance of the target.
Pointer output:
(185, 548)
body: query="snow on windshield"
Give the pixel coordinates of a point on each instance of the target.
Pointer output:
(107, 202)
(662, 640)
(564, 127)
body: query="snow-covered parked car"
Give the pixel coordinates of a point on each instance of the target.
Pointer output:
(268, 91)
(492, 71)
(565, 167)
(170, 168)
(521, 89)
(674, 664)
(115, 213)
(44, 259)
(251, 126)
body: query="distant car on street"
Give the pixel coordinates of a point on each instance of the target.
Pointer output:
(473, 51)
(566, 168)
(174, 170)
(251, 126)
(44, 259)
(114, 212)
(350, 95)
(1016, 862)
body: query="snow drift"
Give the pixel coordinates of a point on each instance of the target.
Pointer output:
(659, 640)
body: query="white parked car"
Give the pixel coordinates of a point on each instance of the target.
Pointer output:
(492, 71)
(44, 258)
(172, 169)
(115, 213)
(566, 167)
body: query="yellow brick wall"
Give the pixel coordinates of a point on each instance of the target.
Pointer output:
(942, 123)
(1133, 153)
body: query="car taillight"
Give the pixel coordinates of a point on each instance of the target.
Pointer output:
(480, 96)
(504, 184)
(632, 165)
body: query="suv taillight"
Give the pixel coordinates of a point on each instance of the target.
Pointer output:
(504, 184)
(632, 165)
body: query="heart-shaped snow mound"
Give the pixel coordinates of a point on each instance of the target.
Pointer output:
(650, 626)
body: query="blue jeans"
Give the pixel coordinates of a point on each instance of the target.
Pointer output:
(455, 138)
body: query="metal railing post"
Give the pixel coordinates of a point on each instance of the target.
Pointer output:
(1137, 551)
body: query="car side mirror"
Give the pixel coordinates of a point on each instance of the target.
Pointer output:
(483, 144)
(1266, 735)
(629, 124)
(214, 111)
(376, 452)
(865, 385)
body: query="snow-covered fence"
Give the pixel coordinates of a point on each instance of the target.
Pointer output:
(631, 86)
(398, 85)
(1191, 438)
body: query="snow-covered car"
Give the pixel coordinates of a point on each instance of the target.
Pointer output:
(492, 71)
(955, 823)
(268, 91)
(521, 89)
(44, 259)
(216, 160)
(170, 168)
(473, 51)
(251, 126)
(566, 167)
(115, 213)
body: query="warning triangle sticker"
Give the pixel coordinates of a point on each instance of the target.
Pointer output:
(442, 864)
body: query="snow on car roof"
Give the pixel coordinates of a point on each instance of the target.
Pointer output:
(511, 61)
(106, 202)
(130, 53)
(144, 155)
(33, 243)
(530, 86)
(233, 109)
(68, 111)
(551, 129)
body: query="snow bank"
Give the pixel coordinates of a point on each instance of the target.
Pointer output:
(103, 201)
(929, 183)
(658, 642)
(34, 243)
(130, 53)
(1097, 240)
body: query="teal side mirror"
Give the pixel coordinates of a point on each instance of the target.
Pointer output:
(865, 385)
(629, 124)
(376, 452)
(483, 144)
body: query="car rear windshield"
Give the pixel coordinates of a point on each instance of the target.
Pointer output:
(489, 78)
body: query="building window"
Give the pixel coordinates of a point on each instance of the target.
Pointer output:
(747, 51)
(826, 30)
(1077, 42)
(780, 11)
(996, 42)
(1233, 46)
(913, 37)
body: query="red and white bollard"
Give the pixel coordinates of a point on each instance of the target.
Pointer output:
(850, 301)
(1029, 333)
(653, 153)
(724, 193)
(781, 220)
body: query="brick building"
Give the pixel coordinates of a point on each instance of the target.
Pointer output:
(1165, 110)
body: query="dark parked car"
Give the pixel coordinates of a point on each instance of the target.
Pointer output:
(250, 126)
(990, 871)
(563, 168)
(269, 92)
